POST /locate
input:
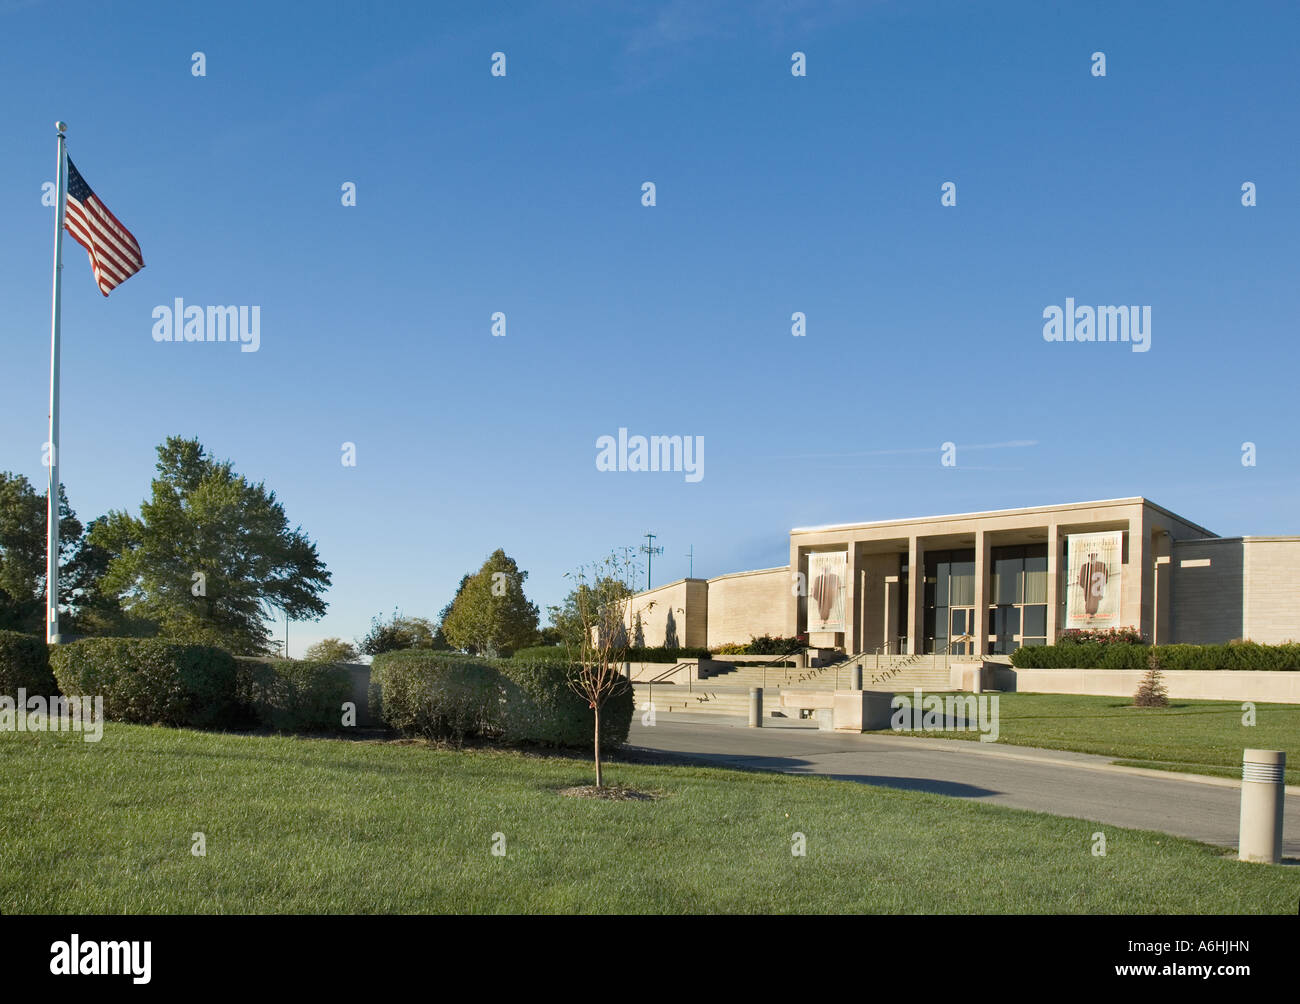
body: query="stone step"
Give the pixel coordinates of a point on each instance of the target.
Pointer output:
(701, 698)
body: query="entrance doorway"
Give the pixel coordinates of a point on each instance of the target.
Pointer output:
(961, 631)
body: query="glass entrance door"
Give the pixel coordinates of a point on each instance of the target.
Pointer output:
(961, 632)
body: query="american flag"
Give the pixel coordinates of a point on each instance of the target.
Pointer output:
(114, 253)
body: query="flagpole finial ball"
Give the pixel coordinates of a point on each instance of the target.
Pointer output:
(61, 126)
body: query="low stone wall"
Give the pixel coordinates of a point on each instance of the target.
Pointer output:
(643, 672)
(732, 659)
(975, 677)
(1281, 687)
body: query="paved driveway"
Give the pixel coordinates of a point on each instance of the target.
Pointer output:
(1062, 783)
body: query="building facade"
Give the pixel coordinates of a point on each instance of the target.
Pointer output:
(985, 583)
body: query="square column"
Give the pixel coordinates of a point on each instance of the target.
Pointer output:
(915, 595)
(1053, 582)
(851, 595)
(1135, 604)
(890, 620)
(1163, 580)
(981, 627)
(797, 585)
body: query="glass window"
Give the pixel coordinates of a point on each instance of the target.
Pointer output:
(963, 582)
(1035, 577)
(1007, 570)
(1036, 620)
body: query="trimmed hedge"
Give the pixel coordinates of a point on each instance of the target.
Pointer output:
(1095, 655)
(434, 695)
(768, 645)
(542, 653)
(661, 654)
(561, 654)
(292, 695)
(25, 663)
(539, 706)
(440, 696)
(765, 645)
(148, 680)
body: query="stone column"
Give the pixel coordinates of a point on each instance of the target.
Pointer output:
(798, 566)
(915, 595)
(851, 600)
(1135, 604)
(981, 628)
(890, 621)
(1053, 582)
(1161, 546)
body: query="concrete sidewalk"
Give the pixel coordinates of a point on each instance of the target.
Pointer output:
(1064, 783)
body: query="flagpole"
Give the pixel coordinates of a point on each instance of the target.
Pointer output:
(52, 498)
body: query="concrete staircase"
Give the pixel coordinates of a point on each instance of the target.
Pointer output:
(902, 673)
(727, 692)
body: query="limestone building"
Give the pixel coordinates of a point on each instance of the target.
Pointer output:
(985, 583)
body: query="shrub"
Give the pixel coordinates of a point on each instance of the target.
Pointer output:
(292, 695)
(1151, 693)
(732, 648)
(662, 654)
(25, 663)
(635, 653)
(435, 695)
(1085, 655)
(441, 696)
(1103, 636)
(539, 706)
(148, 680)
(768, 645)
(1123, 655)
(544, 653)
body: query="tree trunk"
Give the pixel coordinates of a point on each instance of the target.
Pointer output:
(598, 777)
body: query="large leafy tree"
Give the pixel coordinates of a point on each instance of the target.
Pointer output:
(93, 609)
(22, 554)
(440, 641)
(597, 590)
(332, 650)
(491, 614)
(398, 632)
(211, 556)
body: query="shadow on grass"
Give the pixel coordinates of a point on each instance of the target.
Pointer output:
(1173, 710)
(797, 767)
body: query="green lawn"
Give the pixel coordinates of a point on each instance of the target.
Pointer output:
(301, 825)
(1200, 737)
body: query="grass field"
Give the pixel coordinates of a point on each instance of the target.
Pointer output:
(1199, 737)
(304, 825)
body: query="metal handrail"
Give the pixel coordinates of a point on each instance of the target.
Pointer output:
(664, 675)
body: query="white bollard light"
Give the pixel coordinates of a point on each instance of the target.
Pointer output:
(1262, 792)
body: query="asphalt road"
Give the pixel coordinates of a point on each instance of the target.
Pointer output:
(1065, 784)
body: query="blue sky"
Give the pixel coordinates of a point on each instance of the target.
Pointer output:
(775, 194)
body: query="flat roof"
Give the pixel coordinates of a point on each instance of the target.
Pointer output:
(752, 571)
(1133, 500)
